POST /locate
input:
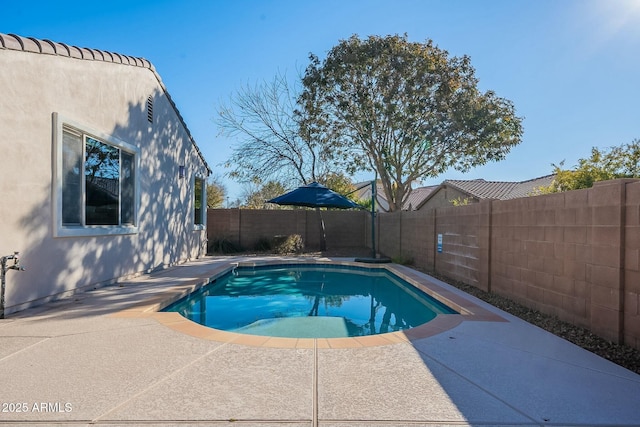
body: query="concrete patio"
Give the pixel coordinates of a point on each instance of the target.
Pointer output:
(97, 359)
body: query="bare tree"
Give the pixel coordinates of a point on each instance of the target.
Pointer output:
(270, 144)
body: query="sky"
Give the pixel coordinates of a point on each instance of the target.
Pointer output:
(571, 67)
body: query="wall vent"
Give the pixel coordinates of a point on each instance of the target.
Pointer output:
(150, 109)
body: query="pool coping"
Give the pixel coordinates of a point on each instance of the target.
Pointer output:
(468, 309)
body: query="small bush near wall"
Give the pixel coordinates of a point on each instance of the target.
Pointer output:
(222, 246)
(288, 244)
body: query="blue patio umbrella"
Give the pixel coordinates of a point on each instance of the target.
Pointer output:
(314, 195)
(317, 196)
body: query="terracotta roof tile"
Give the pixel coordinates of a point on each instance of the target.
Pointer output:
(75, 52)
(117, 57)
(11, 41)
(86, 53)
(61, 49)
(31, 44)
(48, 47)
(108, 56)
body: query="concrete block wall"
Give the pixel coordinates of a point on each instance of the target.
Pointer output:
(257, 224)
(575, 255)
(539, 253)
(344, 229)
(223, 224)
(465, 233)
(605, 266)
(631, 283)
(244, 227)
(415, 247)
(389, 233)
(462, 249)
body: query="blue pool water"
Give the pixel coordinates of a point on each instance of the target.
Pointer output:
(309, 301)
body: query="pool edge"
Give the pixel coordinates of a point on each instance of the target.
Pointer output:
(469, 311)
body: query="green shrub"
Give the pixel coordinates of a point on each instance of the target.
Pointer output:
(288, 244)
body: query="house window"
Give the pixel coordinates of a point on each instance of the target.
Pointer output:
(95, 183)
(199, 202)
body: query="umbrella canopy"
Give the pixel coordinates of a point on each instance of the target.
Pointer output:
(314, 195)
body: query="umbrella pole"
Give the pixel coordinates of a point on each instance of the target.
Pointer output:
(374, 185)
(323, 236)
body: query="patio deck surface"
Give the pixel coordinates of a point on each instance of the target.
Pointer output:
(105, 358)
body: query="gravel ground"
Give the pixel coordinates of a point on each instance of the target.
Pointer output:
(622, 355)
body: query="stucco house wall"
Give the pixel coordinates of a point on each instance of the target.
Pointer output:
(45, 85)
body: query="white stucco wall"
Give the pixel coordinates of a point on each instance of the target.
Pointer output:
(109, 98)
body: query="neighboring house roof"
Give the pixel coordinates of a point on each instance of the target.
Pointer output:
(48, 47)
(416, 197)
(364, 193)
(501, 190)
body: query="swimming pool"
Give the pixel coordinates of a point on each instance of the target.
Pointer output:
(309, 301)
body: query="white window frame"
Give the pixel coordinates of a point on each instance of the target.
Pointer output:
(203, 210)
(60, 230)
